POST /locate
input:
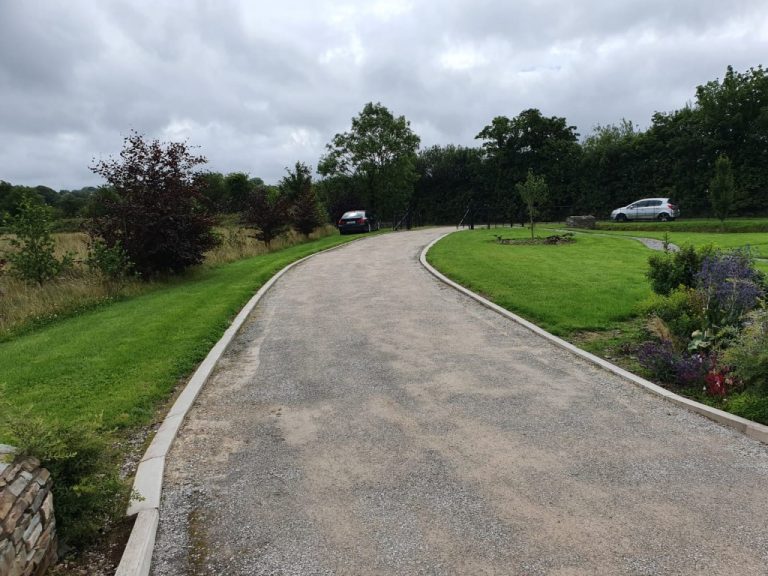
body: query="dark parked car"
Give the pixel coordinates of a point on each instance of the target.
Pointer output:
(357, 221)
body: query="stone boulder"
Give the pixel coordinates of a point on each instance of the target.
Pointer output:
(581, 222)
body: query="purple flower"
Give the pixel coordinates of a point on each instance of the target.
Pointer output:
(671, 367)
(730, 285)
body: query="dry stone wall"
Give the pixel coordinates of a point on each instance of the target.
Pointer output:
(27, 525)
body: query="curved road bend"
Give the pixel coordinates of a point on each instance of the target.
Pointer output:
(370, 420)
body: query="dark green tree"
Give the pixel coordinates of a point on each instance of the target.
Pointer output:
(377, 157)
(299, 193)
(266, 212)
(722, 189)
(546, 145)
(450, 178)
(239, 188)
(734, 122)
(215, 190)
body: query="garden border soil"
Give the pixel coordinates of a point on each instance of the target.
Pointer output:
(148, 482)
(748, 427)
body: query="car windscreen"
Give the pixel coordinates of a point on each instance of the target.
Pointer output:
(348, 215)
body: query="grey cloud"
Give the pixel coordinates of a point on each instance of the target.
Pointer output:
(259, 86)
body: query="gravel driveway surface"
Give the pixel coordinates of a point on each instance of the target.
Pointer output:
(370, 420)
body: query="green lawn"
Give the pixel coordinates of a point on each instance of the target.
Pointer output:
(122, 360)
(589, 285)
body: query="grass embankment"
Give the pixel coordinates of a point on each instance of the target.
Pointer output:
(587, 292)
(25, 307)
(120, 361)
(591, 284)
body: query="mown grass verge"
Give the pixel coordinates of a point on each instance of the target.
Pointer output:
(587, 292)
(118, 362)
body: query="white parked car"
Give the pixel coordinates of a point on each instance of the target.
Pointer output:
(662, 209)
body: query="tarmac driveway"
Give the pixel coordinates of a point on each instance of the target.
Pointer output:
(370, 420)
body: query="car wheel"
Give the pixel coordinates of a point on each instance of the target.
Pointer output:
(342, 232)
(663, 217)
(621, 218)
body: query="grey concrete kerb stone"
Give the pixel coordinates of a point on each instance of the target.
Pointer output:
(148, 482)
(747, 427)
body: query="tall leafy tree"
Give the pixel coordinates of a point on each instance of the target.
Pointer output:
(611, 167)
(377, 157)
(153, 208)
(238, 190)
(299, 192)
(450, 179)
(532, 141)
(266, 212)
(734, 122)
(214, 188)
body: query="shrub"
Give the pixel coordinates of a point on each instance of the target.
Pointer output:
(748, 353)
(670, 270)
(681, 311)
(692, 369)
(87, 490)
(111, 262)
(660, 359)
(155, 208)
(730, 286)
(719, 382)
(672, 367)
(33, 259)
(751, 403)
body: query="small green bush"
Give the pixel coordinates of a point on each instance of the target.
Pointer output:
(87, 490)
(748, 353)
(111, 262)
(33, 259)
(751, 404)
(681, 311)
(670, 270)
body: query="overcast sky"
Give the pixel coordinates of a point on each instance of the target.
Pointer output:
(260, 85)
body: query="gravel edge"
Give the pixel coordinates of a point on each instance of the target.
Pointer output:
(747, 427)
